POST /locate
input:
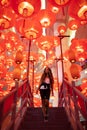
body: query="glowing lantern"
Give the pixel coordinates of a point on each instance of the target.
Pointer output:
(19, 57)
(62, 29)
(12, 36)
(26, 8)
(78, 45)
(17, 73)
(28, 28)
(10, 46)
(81, 56)
(59, 2)
(80, 9)
(73, 24)
(46, 18)
(7, 18)
(5, 3)
(75, 70)
(45, 43)
(54, 8)
(71, 56)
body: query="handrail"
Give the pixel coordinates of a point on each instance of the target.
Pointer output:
(75, 103)
(9, 104)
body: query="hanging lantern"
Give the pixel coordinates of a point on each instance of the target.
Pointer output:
(5, 3)
(54, 8)
(79, 45)
(62, 29)
(26, 8)
(19, 57)
(78, 9)
(59, 2)
(10, 46)
(17, 73)
(28, 28)
(71, 56)
(81, 56)
(46, 18)
(73, 24)
(45, 42)
(11, 36)
(7, 18)
(75, 70)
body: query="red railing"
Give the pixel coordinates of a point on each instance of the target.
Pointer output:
(13, 105)
(76, 105)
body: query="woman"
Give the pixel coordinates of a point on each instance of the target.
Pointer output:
(45, 87)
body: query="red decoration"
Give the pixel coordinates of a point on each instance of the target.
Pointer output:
(78, 9)
(59, 2)
(62, 29)
(26, 8)
(73, 24)
(75, 70)
(71, 56)
(7, 17)
(19, 57)
(47, 42)
(28, 28)
(46, 18)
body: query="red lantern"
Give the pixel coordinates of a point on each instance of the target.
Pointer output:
(5, 3)
(73, 24)
(45, 42)
(54, 8)
(79, 45)
(46, 18)
(17, 73)
(7, 18)
(71, 56)
(26, 8)
(78, 9)
(19, 57)
(62, 29)
(28, 28)
(75, 70)
(59, 2)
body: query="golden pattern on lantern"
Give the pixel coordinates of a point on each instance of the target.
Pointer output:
(46, 18)
(59, 2)
(54, 8)
(62, 29)
(5, 2)
(45, 43)
(73, 24)
(75, 70)
(80, 9)
(26, 8)
(17, 73)
(28, 28)
(7, 17)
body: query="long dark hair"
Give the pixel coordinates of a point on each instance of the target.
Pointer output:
(47, 74)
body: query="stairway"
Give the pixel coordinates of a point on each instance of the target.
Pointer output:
(57, 120)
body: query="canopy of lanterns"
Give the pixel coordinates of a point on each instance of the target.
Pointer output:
(23, 21)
